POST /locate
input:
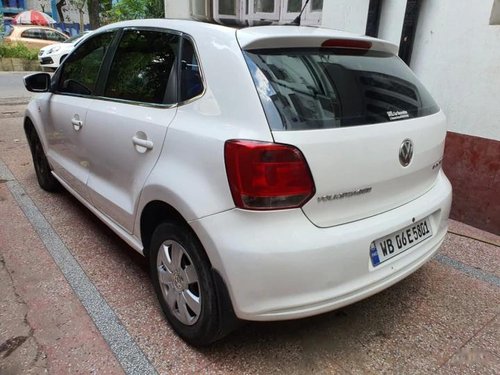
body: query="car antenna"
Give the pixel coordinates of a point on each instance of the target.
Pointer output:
(296, 21)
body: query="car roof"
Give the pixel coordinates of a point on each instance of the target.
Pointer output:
(255, 36)
(33, 27)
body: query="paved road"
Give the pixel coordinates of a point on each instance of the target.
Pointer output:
(12, 88)
(55, 257)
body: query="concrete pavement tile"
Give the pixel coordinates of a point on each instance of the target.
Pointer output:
(473, 358)
(19, 351)
(328, 369)
(415, 325)
(25, 359)
(490, 336)
(480, 355)
(41, 285)
(470, 231)
(168, 353)
(120, 274)
(261, 348)
(474, 253)
(453, 298)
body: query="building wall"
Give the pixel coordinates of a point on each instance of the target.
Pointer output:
(473, 166)
(391, 20)
(348, 15)
(464, 76)
(177, 9)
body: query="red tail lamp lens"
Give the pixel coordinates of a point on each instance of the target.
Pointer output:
(267, 176)
(346, 43)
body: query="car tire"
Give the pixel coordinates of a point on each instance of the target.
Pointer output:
(186, 287)
(42, 168)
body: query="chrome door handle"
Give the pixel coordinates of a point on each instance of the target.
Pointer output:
(147, 144)
(77, 124)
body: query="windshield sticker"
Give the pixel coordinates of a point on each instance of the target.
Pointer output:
(397, 115)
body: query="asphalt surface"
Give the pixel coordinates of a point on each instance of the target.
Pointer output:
(12, 88)
(76, 299)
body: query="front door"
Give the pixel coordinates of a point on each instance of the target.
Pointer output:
(67, 112)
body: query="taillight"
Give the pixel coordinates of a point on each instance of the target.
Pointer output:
(347, 43)
(267, 176)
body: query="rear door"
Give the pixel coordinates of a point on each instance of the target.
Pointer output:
(127, 125)
(67, 112)
(370, 132)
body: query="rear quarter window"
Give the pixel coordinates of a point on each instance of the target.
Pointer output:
(304, 89)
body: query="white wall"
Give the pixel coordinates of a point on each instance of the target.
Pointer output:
(177, 9)
(391, 20)
(457, 56)
(347, 15)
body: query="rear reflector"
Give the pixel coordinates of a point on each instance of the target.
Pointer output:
(267, 176)
(346, 43)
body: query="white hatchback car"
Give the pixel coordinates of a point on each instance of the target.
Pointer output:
(268, 173)
(52, 56)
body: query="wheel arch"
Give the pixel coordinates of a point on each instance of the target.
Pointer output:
(30, 130)
(154, 213)
(29, 127)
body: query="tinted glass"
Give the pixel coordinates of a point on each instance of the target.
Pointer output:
(263, 6)
(33, 34)
(294, 6)
(144, 63)
(53, 35)
(317, 5)
(74, 38)
(325, 88)
(81, 68)
(227, 7)
(191, 83)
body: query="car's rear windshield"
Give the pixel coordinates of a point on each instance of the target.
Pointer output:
(303, 89)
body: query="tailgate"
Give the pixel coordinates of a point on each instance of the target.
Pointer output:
(370, 132)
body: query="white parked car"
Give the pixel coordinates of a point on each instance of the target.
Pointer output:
(268, 173)
(51, 56)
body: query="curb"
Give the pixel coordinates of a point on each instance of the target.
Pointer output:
(10, 64)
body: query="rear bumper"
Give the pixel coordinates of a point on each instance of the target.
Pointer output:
(278, 265)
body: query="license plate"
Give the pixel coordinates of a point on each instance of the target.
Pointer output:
(395, 243)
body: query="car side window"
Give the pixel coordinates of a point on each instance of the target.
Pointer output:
(144, 67)
(81, 69)
(33, 34)
(191, 84)
(54, 35)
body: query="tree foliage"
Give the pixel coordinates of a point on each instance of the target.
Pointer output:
(135, 9)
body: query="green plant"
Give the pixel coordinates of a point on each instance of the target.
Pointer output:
(18, 50)
(135, 9)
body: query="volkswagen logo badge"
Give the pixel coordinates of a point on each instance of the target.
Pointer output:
(406, 152)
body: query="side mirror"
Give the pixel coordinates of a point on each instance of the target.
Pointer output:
(38, 82)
